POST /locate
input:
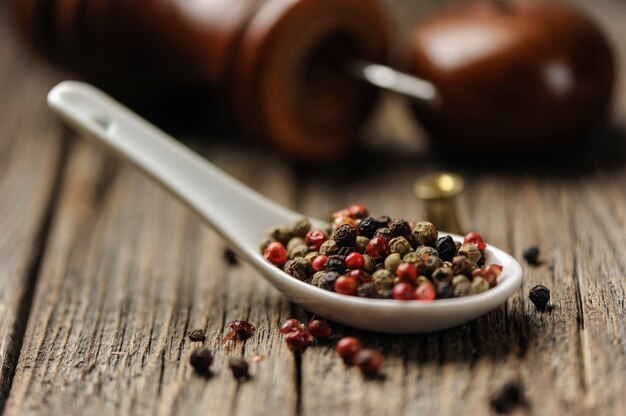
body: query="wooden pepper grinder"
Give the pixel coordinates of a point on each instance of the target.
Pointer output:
(279, 65)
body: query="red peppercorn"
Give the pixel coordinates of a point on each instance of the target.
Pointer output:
(319, 262)
(475, 238)
(348, 348)
(339, 221)
(341, 213)
(315, 239)
(425, 291)
(403, 291)
(276, 253)
(297, 339)
(377, 248)
(355, 261)
(369, 362)
(346, 285)
(358, 211)
(359, 274)
(406, 272)
(319, 329)
(489, 273)
(291, 325)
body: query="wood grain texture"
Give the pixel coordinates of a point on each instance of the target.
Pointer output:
(30, 156)
(127, 271)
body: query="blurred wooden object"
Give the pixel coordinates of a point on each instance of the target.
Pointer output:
(277, 65)
(102, 275)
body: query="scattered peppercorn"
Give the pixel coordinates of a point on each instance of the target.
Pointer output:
(540, 296)
(369, 362)
(239, 368)
(291, 325)
(230, 257)
(197, 335)
(531, 255)
(376, 257)
(201, 360)
(240, 330)
(508, 398)
(348, 348)
(320, 329)
(297, 339)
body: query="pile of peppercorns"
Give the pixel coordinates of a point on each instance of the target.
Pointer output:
(381, 257)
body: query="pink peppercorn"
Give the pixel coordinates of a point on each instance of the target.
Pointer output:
(276, 253)
(355, 261)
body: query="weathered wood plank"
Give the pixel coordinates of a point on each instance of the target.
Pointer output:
(128, 272)
(30, 155)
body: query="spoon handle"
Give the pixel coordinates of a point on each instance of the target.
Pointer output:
(231, 208)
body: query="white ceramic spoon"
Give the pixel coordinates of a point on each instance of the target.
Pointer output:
(242, 216)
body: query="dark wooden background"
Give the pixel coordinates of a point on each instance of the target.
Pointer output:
(102, 274)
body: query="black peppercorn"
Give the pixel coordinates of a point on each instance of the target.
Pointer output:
(400, 228)
(446, 248)
(444, 291)
(335, 263)
(383, 221)
(509, 397)
(462, 265)
(197, 335)
(329, 280)
(531, 255)
(368, 226)
(345, 235)
(540, 296)
(239, 368)
(344, 251)
(201, 360)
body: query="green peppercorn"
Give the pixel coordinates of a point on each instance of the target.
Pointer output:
(311, 256)
(392, 262)
(470, 251)
(462, 265)
(411, 257)
(329, 247)
(281, 233)
(345, 235)
(300, 268)
(384, 232)
(299, 251)
(318, 279)
(420, 280)
(459, 279)
(294, 242)
(400, 228)
(424, 252)
(425, 233)
(383, 279)
(400, 245)
(442, 275)
(301, 227)
(479, 285)
(369, 264)
(462, 288)
(367, 290)
(361, 243)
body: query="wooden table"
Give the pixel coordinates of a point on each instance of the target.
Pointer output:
(102, 275)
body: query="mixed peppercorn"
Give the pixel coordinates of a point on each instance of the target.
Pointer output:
(381, 257)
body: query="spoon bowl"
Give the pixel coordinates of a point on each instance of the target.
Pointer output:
(242, 216)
